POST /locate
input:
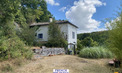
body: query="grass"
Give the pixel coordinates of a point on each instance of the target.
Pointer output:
(73, 63)
(7, 68)
(95, 52)
(11, 65)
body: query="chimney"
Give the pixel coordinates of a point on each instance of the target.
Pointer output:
(51, 19)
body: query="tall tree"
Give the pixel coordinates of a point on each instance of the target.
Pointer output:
(30, 11)
(115, 37)
(46, 14)
(23, 12)
(8, 10)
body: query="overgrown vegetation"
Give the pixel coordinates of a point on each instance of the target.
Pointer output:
(13, 48)
(115, 38)
(79, 46)
(15, 34)
(95, 52)
(27, 34)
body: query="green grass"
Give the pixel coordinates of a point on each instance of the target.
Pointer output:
(95, 52)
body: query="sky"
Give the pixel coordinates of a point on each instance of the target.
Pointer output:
(88, 15)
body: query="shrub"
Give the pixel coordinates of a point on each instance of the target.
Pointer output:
(28, 35)
(13, 48)
(79, 46)
(89, 42)
(28, 54)
(95, 52)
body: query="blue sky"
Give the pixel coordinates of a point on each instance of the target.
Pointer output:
(86, 14)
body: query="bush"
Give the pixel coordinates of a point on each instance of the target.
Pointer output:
(79, 46)
(95, 52)
(28, 54)
(13, 48)
(89, 42)
(28, 35)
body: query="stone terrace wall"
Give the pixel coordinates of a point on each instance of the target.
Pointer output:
(49, 51)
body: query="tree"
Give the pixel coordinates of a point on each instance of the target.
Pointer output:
(100, 37)
(79, 46)
(88, 42)
(115, 36)
(8, 10)
(11, 46)
(56, 38)
(27, 34)
(30, 11)
(46, 14)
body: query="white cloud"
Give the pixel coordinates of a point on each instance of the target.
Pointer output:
(81, 15)
(52, 2)
(104, 4)
(111, 24)
(63, 9)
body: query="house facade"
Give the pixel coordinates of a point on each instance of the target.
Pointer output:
(68, 29)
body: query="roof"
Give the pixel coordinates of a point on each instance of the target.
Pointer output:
(47, 23)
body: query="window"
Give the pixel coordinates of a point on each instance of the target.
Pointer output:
(73, 35)
(40, 36)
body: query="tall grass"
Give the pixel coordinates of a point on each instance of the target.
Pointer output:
(95, 52)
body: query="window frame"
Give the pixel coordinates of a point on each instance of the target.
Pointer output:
(73, 35)
(40, 36)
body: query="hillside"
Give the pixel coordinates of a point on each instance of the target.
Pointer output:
(99, 37)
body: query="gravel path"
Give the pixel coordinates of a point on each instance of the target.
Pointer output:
(73, 63)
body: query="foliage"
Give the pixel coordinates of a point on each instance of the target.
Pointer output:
(46, 14)
(31, 10)
(56, 38)
(13, 48)
(95, 52)
(79, 46)
(22, 12)
(88, 42)
(100, 37)
(27, 34)
(115, 38)
(10, 44)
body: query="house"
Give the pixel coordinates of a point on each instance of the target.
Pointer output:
(68, 29)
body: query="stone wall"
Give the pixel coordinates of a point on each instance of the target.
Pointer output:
(49, 51)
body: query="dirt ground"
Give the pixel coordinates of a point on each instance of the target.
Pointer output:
(73, 63)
